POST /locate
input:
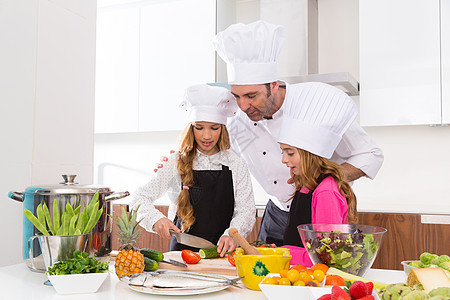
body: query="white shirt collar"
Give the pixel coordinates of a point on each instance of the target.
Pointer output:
(279, 113)
(220, 158)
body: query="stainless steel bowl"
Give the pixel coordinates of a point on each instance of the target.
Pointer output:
(99, 240)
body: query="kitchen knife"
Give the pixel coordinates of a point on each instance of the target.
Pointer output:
(191, 240)
(174, 262)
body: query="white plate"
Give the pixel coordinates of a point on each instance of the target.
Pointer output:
(150, 290)
(158, 291)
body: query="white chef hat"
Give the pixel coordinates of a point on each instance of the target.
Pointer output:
(250, 51)
(208, 103)
(315, 116)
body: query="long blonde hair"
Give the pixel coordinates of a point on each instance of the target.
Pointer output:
(313, 166)
(185, 162)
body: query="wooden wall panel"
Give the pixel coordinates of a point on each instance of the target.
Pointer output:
(406, 238)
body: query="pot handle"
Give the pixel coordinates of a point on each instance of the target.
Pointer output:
(16, 196)
(31, 251)
(116, 196)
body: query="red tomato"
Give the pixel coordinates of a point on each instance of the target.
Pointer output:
(335, 280)
(267, 246)
(231, 259)
(190, 257)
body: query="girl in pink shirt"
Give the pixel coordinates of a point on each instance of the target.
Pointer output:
(323, 198)
(314, 120)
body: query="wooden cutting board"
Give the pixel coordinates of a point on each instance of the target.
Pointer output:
(219, 266)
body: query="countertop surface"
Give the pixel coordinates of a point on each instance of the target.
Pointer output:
(19, 283)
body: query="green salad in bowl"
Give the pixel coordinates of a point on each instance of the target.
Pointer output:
(78, 275)
(348, 247)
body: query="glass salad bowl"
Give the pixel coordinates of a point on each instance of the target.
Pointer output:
(351, 248)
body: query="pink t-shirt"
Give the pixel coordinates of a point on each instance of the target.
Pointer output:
(328, 206)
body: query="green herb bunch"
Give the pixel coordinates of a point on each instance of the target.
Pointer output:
(81, 263)
(70, 222)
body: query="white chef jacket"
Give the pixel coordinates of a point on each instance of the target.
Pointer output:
(167, 179)
(257, 143)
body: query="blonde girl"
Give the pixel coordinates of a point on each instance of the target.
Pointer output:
(209, 186)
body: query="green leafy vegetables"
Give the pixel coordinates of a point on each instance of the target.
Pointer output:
(81, 263)
(70, 222)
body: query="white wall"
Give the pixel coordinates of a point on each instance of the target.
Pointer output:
(46, 102)
(125, 161)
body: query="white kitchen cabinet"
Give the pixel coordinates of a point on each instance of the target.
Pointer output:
(117, 71)
(400, 62)
(148, 52)
(445, 60)
(176, 52)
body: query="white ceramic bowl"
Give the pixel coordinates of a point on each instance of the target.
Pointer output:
(77, 283)
(277, 292)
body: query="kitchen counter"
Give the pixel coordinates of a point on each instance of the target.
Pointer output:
(19, 283)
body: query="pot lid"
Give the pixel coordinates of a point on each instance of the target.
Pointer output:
(69, 186)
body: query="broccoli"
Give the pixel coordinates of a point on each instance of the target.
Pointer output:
(426, 258)
(444, 258)
(445, 265)
(416, 264)
(435, 261)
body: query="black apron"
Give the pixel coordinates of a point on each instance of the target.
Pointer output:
(300, 213)
(212, 198)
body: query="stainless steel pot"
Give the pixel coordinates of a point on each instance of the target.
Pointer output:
(99, 241)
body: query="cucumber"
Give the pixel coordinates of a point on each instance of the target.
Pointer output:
(152, 254)
(150, 264)
(208, 252)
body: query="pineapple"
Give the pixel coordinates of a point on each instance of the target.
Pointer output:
(129, 260)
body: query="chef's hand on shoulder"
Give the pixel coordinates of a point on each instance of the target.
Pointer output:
(162, 159)
(226, 244)
(162, 227)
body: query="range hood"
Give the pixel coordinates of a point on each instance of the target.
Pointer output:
(342, 80)
(299, 59)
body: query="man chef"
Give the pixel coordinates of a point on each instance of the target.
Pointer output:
(250, 52)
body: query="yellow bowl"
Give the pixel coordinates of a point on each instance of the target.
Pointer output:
(255, 267)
